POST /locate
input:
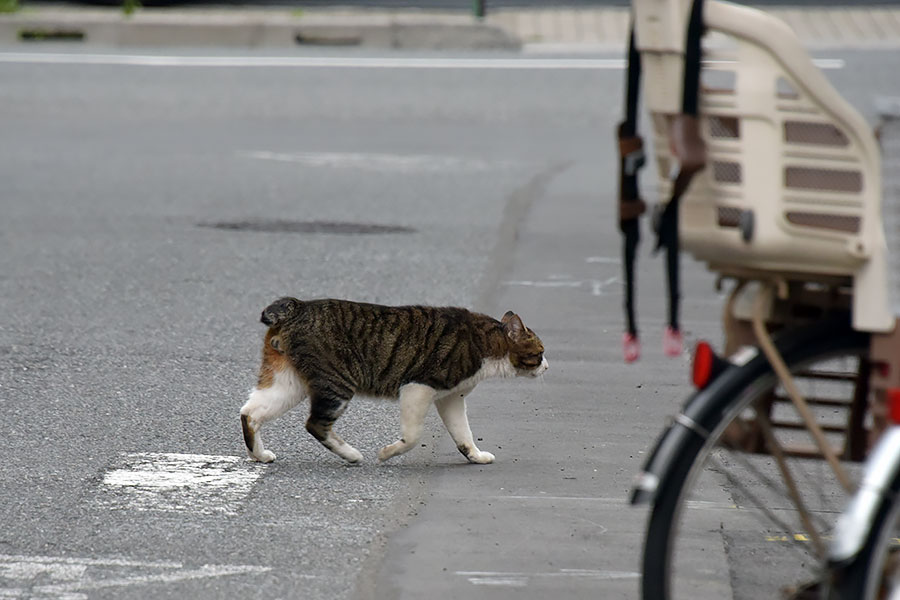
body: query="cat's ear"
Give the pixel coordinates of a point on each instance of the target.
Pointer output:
(513, 325)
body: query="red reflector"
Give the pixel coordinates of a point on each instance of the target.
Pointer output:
(703, 365)
(893, 402)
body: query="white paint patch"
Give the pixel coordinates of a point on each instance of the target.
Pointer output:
(337, 62)
(552, 283)
(381, 162)
(69, 578)
(606, 260)
(597, 287)
(499, 581)
(178, 483)
(499, 578)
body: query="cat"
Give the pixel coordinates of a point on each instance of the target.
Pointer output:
(330, 350)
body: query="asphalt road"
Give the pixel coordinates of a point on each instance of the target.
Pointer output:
(130, 293)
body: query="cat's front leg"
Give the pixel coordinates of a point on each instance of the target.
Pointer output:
(326, 406)
(415, 399)
(453, 413)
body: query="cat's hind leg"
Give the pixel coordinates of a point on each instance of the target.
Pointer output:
(278, 391)
(415, 399)
(325, 407)
(452, 409)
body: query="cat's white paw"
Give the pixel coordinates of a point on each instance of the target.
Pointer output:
(352, 455)
(266, 456)
(481, 458)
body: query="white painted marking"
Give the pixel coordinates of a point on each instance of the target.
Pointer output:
(500, 578)
(598, 288)
(91, 562)
(603, 529)
(336, 62)
(66, 578)
(505, 581)
(607, 260)
(178, 483)
(546, 284)
(332, 62)
(380, 162)
(829, 63)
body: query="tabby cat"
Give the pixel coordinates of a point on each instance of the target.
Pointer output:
(330, 350)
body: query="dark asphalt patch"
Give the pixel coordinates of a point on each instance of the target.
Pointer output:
(326, 227)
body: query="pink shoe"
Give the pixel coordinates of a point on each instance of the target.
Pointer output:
(672, 342)
(631, 347)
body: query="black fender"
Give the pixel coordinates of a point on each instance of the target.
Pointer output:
(705, 410)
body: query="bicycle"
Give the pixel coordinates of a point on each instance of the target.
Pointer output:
(747, 482)
(863, 555)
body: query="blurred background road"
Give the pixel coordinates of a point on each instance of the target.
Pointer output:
(467, 5)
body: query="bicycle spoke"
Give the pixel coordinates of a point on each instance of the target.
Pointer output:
(778, 453)
(751, 516)
(761, 506)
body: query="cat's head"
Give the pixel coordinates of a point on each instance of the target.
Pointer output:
(526, 351)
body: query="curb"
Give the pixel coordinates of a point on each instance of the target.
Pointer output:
(540, 30)
(253, 28)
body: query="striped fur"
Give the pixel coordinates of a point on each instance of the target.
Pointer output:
(335, 349)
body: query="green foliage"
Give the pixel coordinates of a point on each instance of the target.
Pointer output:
(128, 6)
(9, 6)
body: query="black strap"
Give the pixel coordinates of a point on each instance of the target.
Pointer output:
(629, 251)
(692, 54)
(632, 89)
(631, 160)
(668, 228)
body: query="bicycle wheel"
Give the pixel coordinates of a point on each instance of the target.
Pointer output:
(723, 524)
(874, 572)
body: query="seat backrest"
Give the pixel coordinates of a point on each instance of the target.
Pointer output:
(792, 186)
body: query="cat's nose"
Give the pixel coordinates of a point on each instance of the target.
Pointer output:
(543, 368)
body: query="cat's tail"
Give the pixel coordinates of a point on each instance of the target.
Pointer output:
(279, 311)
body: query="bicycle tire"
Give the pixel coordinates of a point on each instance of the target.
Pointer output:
(748, 383)
(865, 576)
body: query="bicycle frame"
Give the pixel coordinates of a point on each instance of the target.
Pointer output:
(751, 122)
(791, 199)
(707, 409)
(882, 468)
